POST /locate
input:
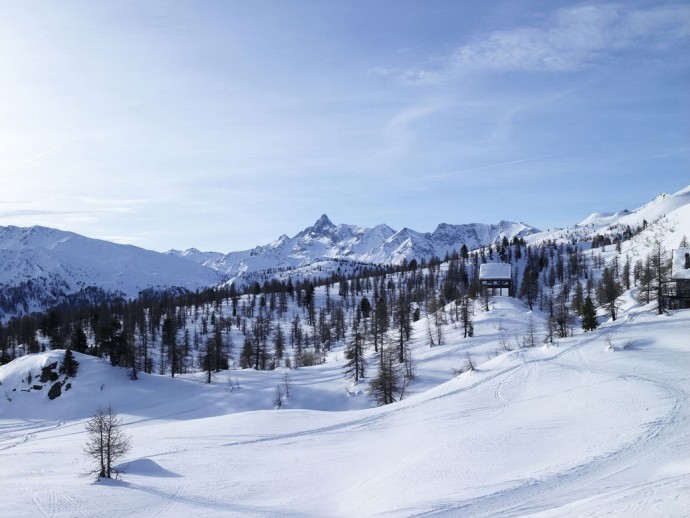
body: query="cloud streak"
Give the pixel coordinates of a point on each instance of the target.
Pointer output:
(34, 158)
(491, 166)
(567, 40)
(576, 38)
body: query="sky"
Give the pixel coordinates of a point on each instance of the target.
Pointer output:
(222, 125)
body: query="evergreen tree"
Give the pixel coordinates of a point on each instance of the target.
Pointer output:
(466, 316)
(365, 307)
(354, 353)
(388, 382)
(279, 341)
(69, 364)
(209, 358)
(609, 291)
(661, 268)
(247, 354)
(79, 341)
(172, 349)
(589, 315)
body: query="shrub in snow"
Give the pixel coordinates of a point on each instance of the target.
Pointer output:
(48, 373)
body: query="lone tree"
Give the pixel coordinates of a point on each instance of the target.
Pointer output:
(69, 364)
(589, 315)
(106, 442)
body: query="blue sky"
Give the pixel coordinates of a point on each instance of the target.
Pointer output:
(222, 125)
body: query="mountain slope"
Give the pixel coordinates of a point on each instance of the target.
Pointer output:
(57, 263)
(664, 206)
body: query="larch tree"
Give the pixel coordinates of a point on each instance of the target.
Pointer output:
(106, 443)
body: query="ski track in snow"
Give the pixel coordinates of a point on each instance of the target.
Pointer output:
(174, 499)
(15, 434)
(54, 505)
(533, 495)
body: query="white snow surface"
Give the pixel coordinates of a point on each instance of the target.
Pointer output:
(575, 429)
(670, 207)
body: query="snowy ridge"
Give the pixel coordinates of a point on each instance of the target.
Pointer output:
(65, 262)
(664, 206)
(378, 245)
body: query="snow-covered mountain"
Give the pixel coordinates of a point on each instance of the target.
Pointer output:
(39, 266)
(46, 264)
(378, 245)
(673, 207)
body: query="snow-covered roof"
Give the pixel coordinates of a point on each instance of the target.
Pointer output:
(495, 271)
(681, 264)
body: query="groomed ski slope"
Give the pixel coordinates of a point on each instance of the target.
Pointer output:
(574, 429)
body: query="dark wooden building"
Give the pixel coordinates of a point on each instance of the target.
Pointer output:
(678, 290)
(496, 278)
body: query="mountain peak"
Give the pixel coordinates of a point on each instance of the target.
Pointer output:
(322, 223)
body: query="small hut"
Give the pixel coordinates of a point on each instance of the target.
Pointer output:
(679, 290)
(496, 278)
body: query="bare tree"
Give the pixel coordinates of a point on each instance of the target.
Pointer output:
(106, 442)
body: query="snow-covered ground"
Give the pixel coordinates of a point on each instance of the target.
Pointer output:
(597, 425)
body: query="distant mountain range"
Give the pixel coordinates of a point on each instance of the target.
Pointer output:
(40, 266)
(381, 244)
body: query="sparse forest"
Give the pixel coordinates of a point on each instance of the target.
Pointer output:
(294, 323)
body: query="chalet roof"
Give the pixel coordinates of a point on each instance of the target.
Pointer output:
(681, 268)
(491, 271)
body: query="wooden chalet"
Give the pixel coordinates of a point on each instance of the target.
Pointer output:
(496, 278)
(678, 290)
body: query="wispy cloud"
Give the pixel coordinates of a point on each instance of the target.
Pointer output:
(21, 213)
(399, 132)
(564, 40)
(410, 76)
(575, 38)
(489, 166)
(113, 205)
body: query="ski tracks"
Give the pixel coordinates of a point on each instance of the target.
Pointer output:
(58, 503)
(13, 436)
(530, 366)
(174, 498)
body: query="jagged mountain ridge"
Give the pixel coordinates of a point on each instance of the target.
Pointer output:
(39, 266)
(378, 245)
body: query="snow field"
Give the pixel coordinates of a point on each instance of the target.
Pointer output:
(569, 430)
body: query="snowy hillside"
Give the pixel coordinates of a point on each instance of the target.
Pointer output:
(56, 263)
(379, 245)
(598, 424)
(525, 414)
(671, 207)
